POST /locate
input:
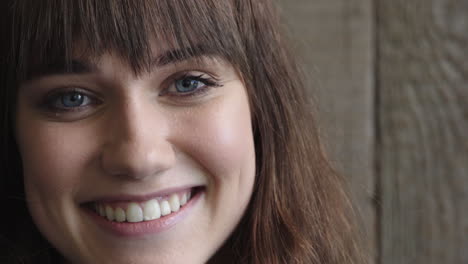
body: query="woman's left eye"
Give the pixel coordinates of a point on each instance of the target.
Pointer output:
(187, 85)
(191, 85)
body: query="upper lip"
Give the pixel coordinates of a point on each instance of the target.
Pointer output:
(140, 197)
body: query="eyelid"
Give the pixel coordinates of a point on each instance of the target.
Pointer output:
(49, 98)
(194, 73)
(208, 79)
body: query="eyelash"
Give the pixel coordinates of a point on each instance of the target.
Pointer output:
(52, 99)
(208, 82)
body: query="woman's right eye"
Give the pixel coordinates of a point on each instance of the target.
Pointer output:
(68, 101)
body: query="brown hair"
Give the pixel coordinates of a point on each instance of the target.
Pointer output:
(299, 212)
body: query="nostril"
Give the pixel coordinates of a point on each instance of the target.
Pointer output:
(137, 160)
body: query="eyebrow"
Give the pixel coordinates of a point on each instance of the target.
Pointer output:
(86, 67)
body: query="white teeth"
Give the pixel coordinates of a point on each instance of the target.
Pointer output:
(101, 210)
(174, 203)
(165, 208)
(183, 200)
(151, 210)
(146, 211)
(119, 215)
(110, 213)
(134, 213)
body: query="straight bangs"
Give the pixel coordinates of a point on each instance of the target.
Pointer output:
(51, 33)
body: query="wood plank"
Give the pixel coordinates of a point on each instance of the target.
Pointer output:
(423, 95)
(335, 41)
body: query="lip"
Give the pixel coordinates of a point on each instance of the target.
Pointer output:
(142, 198)
(140, 229)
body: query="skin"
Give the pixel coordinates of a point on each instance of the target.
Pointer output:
(136, 138)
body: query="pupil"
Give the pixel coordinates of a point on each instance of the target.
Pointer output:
(75, 97)
(72, 100)
(186, 85)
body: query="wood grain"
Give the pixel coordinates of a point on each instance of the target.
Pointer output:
(423, 129)
(335, 42)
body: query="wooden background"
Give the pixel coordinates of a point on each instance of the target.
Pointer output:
(390, 81)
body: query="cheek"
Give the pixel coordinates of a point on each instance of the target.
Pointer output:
(225, 142)
(51, 161)
(220, 137)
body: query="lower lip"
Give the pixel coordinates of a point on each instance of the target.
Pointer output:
(127, 229)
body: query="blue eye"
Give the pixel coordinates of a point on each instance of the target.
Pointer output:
(188, 84)
(72, 99)
(69, 100)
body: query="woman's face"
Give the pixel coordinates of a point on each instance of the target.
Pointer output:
(153, 168)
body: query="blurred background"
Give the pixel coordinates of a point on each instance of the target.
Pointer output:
(389, 79)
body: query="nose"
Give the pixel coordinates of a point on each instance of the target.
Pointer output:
(136, 143)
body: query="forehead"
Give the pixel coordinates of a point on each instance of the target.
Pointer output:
(133, 30)
(85, 63)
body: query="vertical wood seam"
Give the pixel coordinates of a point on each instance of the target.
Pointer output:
(377, 134)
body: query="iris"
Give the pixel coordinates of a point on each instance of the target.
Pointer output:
(188, 84)
(72, 100)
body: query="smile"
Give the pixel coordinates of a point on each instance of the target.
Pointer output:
(140, 216)
(135, 212)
